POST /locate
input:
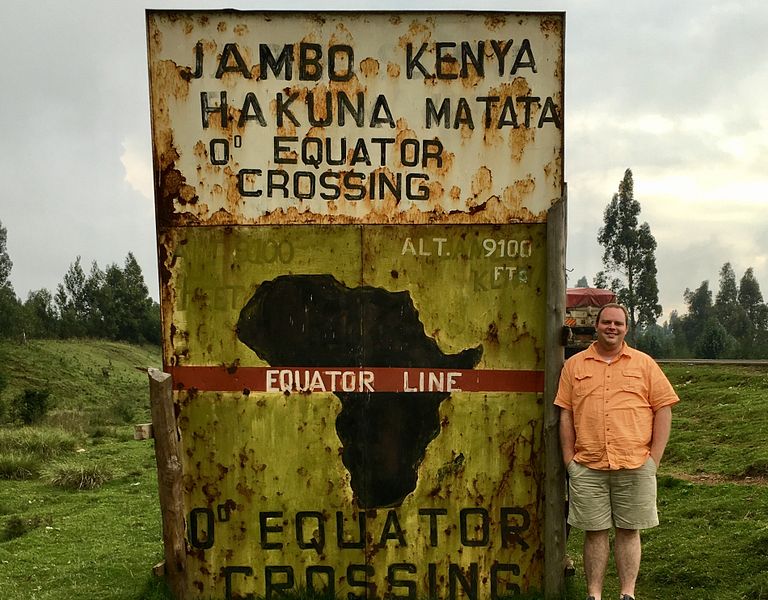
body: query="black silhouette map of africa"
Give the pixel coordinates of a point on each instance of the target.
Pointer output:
(316, 321)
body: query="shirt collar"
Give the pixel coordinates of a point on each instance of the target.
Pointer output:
(595, 355)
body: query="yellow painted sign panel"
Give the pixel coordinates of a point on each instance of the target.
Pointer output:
(358, 369)
(350, 423)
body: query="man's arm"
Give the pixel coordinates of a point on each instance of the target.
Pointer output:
(662, 425)
(567, 435)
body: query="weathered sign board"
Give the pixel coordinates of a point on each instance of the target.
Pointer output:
(351, 218)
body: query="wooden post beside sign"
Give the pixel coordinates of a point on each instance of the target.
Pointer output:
(169, 479)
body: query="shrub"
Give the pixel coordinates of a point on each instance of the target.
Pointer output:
(757, 468)
(43, 442)
(3, 404)
(30, 406)
(156, 588)
(123, 409)
(758, 588)
(14, 527)
(119, 410)
(120, 433)
(73, 476)
(19, 466)
(73, 420)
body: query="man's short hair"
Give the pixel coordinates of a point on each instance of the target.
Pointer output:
(613, 305)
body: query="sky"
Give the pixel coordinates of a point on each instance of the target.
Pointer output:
(675, 91)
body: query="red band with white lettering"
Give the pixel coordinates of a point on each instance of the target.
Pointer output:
(353, 379)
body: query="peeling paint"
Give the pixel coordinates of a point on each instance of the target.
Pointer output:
(432, 228)
(251, 186)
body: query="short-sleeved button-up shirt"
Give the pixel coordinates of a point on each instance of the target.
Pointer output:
(613, 406)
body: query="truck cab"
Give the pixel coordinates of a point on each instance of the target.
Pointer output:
(581, 308)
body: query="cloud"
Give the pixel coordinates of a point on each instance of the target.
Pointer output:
(680, 60)
(674, 91)
(138, 166)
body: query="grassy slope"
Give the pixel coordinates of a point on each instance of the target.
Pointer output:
(713, 497)
(97, 377)
(713, 492)
(89, 544)
(713, 542)
(721, 426)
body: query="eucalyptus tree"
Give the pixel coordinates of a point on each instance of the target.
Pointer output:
(629, 252)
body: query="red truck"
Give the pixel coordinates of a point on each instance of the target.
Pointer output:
(581, 307)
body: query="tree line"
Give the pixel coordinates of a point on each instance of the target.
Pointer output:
(733, 325)
(112, 303)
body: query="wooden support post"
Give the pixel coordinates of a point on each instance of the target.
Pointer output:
(554, 476)
(169, 480)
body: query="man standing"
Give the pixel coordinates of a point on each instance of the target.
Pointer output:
(615, 418)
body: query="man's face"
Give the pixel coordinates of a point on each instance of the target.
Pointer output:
(611, 329)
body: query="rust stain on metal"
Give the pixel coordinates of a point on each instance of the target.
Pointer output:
(342, 35)
(481, 182)
(552, 26)
(181, 201)
(369, 67)
(495, 22)
(493, 334)
(387, 109)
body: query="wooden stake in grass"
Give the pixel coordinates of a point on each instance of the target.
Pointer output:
(169, 480)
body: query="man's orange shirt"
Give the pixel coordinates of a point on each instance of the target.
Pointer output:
(613, 406)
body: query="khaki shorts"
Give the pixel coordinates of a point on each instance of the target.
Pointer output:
(600, 499)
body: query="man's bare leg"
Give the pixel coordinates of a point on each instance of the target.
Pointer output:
(596, 551)
(627, 553)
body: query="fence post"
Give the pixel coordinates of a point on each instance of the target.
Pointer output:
(169, 480)
(554, 477)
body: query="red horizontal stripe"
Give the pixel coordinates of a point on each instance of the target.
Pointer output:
(354, 379)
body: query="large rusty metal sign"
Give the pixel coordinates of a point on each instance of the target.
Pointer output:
(351, 214)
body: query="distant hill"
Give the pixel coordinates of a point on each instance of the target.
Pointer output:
(96, 377)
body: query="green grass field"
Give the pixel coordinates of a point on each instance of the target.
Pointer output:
(712, 543)
(79, 514)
